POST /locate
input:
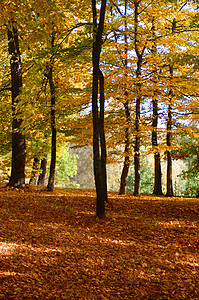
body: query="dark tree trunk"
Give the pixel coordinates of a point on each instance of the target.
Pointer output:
(169, 192)
(17, 178)
(169, 159)
(139, 54)
(34, 171)
(158, 175)
(157, 163)
(98, 117)
(51, 178)
(41, 179)
(137, 149)
(102, 137)
(125, 170)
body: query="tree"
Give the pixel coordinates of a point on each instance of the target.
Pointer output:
(99, 145)
(49, 75)
(157, 164)
(146, 178)
(17, 178)
(123, 181)
(139, 53)
(34, 171)
(52, 80)
(169, 192)
(41, 179)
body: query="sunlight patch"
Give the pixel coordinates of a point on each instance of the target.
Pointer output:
(86, 212)
(7, 248)
(176, 223)
(119, 242)
(9, 273)
(190, 260)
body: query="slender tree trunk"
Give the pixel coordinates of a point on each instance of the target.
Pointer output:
(41, 179)
(126, 165)
(125, 170)
(169, 159)
(157, 163)
(102, 137)
(137, 150)
(98, 117)
(139, 54)
(34, 171)
(169, 192)
(17, 178)
(51, 178)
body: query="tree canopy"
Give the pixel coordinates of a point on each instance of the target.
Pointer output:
(121, 75)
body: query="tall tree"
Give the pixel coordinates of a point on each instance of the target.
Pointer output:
(99, 145)
(169, 192)
(35, 168)
(41, 179)
(123, 181)
(17, 178)
(50, 67)
(157, 164)
(139, 51)
(169, 185)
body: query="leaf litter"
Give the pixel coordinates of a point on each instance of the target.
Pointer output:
(53, 247)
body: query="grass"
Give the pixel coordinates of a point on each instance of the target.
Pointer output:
(53, 247)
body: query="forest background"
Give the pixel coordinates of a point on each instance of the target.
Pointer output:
(149, 62)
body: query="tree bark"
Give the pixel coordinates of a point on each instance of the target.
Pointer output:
(139, 54)
(126, 165)
(41, 179)
(34, 171)
(169, 159)
(17, 178)
(157, 163)
(125, 170)
(169, 192)
(102, 137)
(51, 178)
(137, 149)
(98, 117)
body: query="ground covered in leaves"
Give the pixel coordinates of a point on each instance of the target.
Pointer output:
(53, 247)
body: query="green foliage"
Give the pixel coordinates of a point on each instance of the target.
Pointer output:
(66, 168)
(146, 177)
(5, 167)
(191, 178)
(191, 187)
(190, 152)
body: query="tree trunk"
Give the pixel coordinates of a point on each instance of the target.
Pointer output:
(51, 178)
(157, 163)
(17, 178)
(41, 179)
(169, 192)
(137, 150)
(98, 118)
(158, 175)
(34, 171)
(125, 170)
(102, 137)
(139, 54)
(169, 159)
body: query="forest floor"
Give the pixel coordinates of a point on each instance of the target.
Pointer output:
(53, 247)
